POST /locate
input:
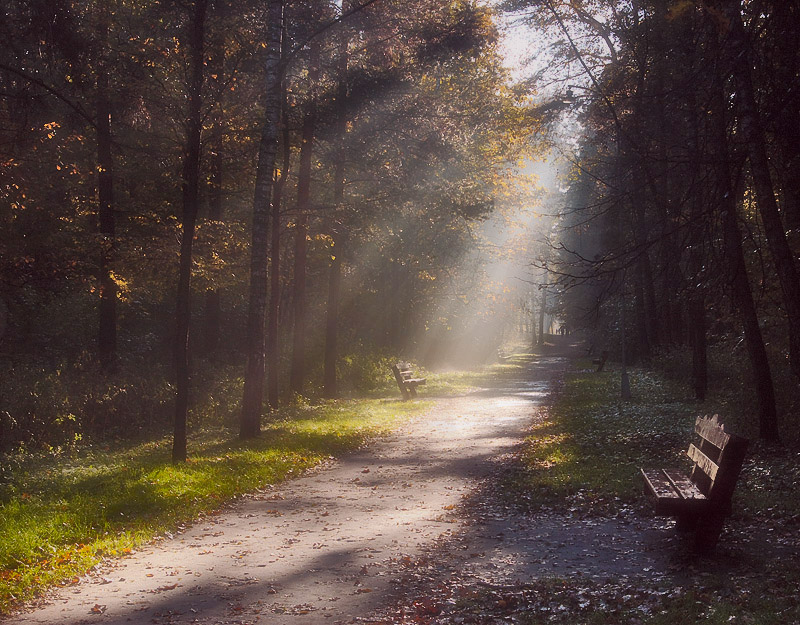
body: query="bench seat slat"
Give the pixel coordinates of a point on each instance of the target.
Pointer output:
(704, 463)
(683, 485)
(669, 500)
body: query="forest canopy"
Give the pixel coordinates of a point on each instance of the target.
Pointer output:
(264, 196)
(210, 208)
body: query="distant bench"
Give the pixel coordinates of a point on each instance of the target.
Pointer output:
(701, 500)
(601, 362)
(406, 381)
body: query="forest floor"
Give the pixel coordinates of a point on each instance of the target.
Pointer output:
(411, 529)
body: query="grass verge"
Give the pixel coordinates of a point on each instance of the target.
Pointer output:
(59, 517)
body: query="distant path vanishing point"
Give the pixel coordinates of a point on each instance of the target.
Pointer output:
(327, 547)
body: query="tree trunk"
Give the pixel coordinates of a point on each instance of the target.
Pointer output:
(330, 385)
(273, 348)
(190, 189)
(329, 380)
(697, 330)
(212, 310)
(297, 373)
(785, 19)
(640, 278)
(743, 299)
(542, 303)
(737, 273)
(252, 400)
(651, 302)
(753, 135)
(697, 227)
(107, 330)
(641, 313)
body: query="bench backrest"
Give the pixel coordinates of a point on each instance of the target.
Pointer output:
(402, 372)
(718, 458)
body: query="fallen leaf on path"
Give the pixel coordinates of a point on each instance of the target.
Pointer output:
(97, 609)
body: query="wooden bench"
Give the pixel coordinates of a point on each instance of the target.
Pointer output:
(406, 381)
(601, 362)
(702, 499)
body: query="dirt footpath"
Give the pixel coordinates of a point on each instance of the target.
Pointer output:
(331, 546)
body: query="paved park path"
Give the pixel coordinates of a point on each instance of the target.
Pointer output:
(333, 546)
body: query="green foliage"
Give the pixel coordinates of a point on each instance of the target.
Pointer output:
(361, 371)
(53, 409)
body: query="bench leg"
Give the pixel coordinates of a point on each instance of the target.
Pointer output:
(686, 523)
(412, 390)
(707, 533)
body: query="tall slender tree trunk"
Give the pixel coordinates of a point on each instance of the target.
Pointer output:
(190, 191)
(212, 313)
(107, 330)
(640, 278)
(297, 373)
(737, 273)
(273, 347)
(253, 398)
(699, 218)
(641, 313)
(785, 26)
(697, 329)
(651, 302)
(542, 304)
(329, 380)
(212, 305)
(753, 134)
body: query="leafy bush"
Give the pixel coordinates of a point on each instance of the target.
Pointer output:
(48, 408)
(364, 371)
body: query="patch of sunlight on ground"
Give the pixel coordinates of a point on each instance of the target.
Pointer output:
(507, 402)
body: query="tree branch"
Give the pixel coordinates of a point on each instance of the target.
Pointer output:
(52, 91)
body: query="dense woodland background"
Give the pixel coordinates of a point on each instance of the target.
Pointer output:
(211, 208)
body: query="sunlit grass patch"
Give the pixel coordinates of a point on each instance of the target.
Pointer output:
(589, 444)
(460, 382)
(59, 517)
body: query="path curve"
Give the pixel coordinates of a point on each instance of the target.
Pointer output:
(328, 547)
